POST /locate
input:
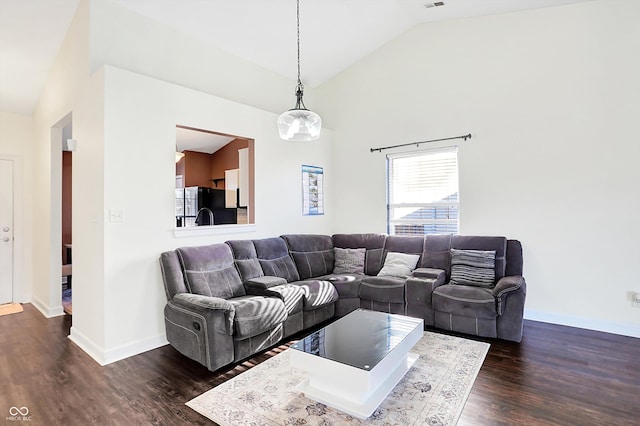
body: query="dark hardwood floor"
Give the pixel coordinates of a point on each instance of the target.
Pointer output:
(557, 376)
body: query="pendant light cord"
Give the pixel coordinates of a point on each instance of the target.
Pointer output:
(299, 86)
(298, 34)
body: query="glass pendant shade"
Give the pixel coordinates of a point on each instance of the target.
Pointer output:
(299, 125)
(179, 156)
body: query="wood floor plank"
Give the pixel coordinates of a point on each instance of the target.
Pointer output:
(556, 376)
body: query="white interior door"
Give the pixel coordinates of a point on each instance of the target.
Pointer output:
(6, 231)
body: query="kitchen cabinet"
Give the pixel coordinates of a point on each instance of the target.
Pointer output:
(236, 182)
(243, 176)
(231, 188)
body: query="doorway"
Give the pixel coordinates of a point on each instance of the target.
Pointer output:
(60, 133)
(67, 266)
(6, 231)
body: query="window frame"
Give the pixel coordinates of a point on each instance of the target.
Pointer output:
(391, 222)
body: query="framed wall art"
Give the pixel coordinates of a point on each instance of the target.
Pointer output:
(312, 190)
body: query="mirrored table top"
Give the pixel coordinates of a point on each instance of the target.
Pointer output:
(360, 339)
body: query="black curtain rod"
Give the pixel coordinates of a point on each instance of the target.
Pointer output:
(417, 144)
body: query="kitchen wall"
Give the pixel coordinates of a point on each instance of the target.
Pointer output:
(552, 99)
(197, 169)
(226, 158)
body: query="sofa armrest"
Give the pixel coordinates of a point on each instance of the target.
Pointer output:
(435, 274)
(207, 306)
(261, 291)
(264, 282)
(418, 291)
(506, 286)
(200, 303)
(201, 328)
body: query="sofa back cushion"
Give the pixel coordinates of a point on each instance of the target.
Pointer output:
(473, 267)
(246, 258)
(437, 253)
(210, 271)
(172, 274)
(497, 244)
(399, 264)
(312, 254)
(349, 261)
(404, 244)
(514, 258)
(373, 243)
(273, 255)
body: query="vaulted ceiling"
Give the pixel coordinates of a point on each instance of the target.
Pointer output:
(334, 33)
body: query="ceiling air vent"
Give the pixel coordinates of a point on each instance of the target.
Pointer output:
(434, 4)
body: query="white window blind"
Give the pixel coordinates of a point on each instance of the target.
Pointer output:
(422, 192)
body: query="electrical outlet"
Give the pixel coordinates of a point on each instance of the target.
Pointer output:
(635, 300)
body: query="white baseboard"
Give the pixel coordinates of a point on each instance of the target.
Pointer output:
(92, 349)
(104, 357)
(134, 348)
(631, 330)
(47, 311)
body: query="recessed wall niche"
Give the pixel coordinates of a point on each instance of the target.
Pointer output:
(214, 178)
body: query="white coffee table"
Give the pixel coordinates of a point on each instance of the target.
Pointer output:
(355, 362)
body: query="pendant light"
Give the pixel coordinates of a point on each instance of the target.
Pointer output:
(179, 154)
(299, 124)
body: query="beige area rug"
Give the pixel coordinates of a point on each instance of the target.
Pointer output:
(10, 308)
(433, 392)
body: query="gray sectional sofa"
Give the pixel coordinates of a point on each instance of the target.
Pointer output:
(228, 301)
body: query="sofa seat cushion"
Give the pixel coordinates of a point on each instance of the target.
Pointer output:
(256, 314)
(292, 296)
(317, 293)
(347, 285)
(383, 289)
(465, 301)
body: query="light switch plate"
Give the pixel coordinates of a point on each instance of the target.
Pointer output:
(116, 215)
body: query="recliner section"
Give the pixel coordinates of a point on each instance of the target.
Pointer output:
(228, 301)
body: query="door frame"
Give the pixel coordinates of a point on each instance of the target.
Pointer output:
(20, 293)
(54, 301)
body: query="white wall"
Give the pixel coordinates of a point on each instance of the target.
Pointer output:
(89, 292)
(140, 118)
(66, 85)
(125, 127)
(552, 98)
(122, 38)
(16, 143)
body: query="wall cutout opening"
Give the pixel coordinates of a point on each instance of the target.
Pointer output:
(214, 178)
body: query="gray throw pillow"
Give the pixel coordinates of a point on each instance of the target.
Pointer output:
(473, 267)
(399, 265)
(349, 261)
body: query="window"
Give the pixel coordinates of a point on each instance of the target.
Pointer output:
(422, 190)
